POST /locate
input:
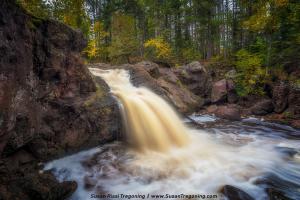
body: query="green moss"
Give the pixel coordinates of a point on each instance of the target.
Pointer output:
(179, 83)
(288, 115)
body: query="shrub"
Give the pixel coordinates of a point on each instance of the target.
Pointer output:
(190, 54)
(97, 49)
(158, 50)
(124, 44)
(251, 75)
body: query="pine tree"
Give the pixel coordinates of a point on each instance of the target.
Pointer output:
(124, 43)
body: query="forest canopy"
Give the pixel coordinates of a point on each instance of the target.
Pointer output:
(261, 38)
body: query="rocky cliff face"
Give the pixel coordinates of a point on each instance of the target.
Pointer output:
(49, 103)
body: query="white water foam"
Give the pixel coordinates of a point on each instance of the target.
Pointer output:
(202, 166)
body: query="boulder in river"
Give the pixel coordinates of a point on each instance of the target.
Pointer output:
(234, 193)
(296, 123)
(224, 91)
(219, 91)
(230, 112)
(263, 107)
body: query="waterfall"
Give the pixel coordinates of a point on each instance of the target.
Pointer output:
(169, 158)
(150, 123)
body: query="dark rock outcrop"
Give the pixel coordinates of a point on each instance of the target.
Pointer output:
(224, 91)
(230, 112)
(37, 186)
(219, 91)
(181, 86)
(49, 103)
(280, 95)
(294, 102)
(234, 193)
(227, 111)
(296, 123)
(232, 96)
(263, 107)
(196, 78)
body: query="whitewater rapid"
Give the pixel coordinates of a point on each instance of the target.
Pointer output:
(164, 156)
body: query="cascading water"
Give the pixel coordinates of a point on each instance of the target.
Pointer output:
(170, 159)
(149, 121)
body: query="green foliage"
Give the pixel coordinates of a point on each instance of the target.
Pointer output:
(124, 43)
(181, 31)
(288, 115)
(37, 8)
(294, 82)
(276, 24)
(72, 13)
(97, 49)
(287, 43)
(297, 83)
(277, 72)
(251, 75)
(262, 20)
(190, 54)
(157, 49)
(259, 47)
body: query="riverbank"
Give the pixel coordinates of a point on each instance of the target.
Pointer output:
(198, 88)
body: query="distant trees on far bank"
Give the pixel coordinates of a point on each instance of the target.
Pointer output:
(257, 37)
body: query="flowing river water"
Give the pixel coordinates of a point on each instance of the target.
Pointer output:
(166, 155)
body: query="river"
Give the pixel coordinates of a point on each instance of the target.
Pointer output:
(179, 158)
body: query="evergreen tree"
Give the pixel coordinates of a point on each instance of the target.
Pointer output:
(124, 43)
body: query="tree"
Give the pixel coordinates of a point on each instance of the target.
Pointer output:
(251, 74)
(72, 13)
(124, 42)
(192, 29)
(97, 49)
(36, 7)
(158, 50)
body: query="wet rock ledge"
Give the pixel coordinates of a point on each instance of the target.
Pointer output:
(50, 105)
